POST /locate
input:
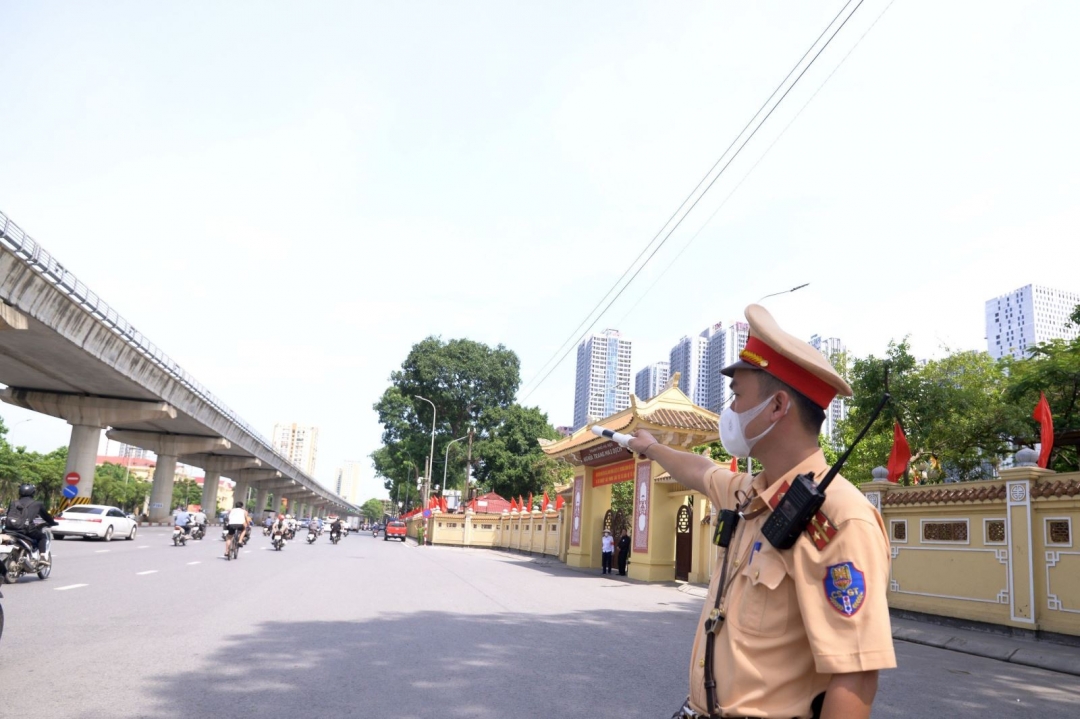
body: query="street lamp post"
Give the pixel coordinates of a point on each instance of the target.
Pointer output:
(446, 462)
(431, 455)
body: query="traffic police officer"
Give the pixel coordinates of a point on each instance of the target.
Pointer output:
(800, 632)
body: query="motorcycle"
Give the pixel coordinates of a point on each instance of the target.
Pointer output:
(290, 534)
(179, 537)
(198, 531)
(19, 556)
(224, 533)
(311, 536)
(335, 537)
(278, 541)
(1, 616)
(266, 531)
(344, 531)
(375, 532)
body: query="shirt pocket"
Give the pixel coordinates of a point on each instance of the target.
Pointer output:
(766, 597)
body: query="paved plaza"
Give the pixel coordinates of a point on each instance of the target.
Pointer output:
(371, 629)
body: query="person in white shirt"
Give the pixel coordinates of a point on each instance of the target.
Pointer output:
(237, 522)
(607, 549)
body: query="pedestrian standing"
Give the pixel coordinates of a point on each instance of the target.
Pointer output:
(797, 630)
(624, 552)
(607, 548)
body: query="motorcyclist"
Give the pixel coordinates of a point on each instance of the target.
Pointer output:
(198, 517)
(316, 525)
(290, 526)
(22, 513)
(335, 527)
(277, 524)
(182, 520)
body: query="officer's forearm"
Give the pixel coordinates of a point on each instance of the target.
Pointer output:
(850, 696)
(686, 468)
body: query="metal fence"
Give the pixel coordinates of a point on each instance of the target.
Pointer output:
(48, 268)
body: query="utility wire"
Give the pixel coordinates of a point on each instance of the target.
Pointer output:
(708, 186)
(752, 168)
(659, 232)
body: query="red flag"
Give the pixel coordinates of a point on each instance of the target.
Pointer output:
(734, 464)
(559, 502)
(530, 504)
(513, 504)
(544, 506)
(900, 455)
(521, 504)
(1046, 420)
(442, 504)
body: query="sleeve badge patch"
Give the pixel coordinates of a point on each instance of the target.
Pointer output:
(845, 588)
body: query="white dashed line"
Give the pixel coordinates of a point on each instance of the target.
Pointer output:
(70, 586)
(190, 563)
(102, 551)
(149, 571)
(143, 546)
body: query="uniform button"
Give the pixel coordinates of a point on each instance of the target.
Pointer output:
(701, 663)
(757, 573)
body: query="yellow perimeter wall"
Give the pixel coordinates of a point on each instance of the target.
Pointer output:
(1002, 551)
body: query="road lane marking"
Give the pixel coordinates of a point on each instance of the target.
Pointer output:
(190, 563)
(102, 551)
(149, 571)
(143, 546)
(70, 586)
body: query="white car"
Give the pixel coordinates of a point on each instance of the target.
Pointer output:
(94, 521)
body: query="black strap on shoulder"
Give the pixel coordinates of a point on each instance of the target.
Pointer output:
(714, 622)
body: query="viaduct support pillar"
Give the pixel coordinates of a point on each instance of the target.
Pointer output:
(210, 492)
(82, 457)
(162, 491)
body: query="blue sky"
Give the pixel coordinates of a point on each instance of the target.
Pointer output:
(286, 196)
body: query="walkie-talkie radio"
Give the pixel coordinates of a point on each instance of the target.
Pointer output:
(803, 498)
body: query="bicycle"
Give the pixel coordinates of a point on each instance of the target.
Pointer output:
(232, 549)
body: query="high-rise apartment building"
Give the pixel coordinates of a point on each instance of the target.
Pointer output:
(1017, 321)
(652, 380)
(602, 387)
(347, 480)
(690, 358)
(298, 443)
(725, 344)
(835, 352)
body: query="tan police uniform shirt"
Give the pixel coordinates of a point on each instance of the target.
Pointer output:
(798, 616)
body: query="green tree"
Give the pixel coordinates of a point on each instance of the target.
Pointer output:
(1052, 368)
(185, 492)
(511, 462)
(466, 380)
(953, 411)
(372, 510)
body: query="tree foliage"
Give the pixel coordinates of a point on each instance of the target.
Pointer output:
(467, 381)
(1052, 368)
(511, 460)
(114, 485)
(372, 510)
(17, 465)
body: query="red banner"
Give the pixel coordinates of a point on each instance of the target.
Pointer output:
(613, 473)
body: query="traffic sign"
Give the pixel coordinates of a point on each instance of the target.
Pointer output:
(427, 512)
(70, 490)
(72, 477)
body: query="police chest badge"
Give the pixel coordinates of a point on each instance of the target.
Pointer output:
(845, 588)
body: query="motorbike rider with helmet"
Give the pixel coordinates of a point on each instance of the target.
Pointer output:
(22, 513)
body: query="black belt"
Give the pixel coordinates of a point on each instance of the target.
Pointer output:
(687, 711)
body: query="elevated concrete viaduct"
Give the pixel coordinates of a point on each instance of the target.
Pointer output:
(66, 353)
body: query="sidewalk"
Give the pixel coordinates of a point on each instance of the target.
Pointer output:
(1037, 653)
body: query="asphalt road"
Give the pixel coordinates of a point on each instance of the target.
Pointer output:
(380, 629)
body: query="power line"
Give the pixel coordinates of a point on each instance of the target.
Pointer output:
(659, 232)
(749, 172)
(711, 182)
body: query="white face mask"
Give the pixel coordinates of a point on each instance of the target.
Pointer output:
(733, 429)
